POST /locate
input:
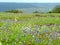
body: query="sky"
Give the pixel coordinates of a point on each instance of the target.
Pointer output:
(32, 1)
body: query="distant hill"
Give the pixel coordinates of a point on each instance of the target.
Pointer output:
(28, 7)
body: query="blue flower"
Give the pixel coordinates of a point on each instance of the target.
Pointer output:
(24, 35)
(37, 40)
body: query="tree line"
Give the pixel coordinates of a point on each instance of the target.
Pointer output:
(54, 10)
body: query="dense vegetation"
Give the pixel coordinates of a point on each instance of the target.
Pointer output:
(29, 29)
(36, 12)
(55, 9)
(14, 11)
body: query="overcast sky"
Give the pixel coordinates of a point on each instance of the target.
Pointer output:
(32, 1)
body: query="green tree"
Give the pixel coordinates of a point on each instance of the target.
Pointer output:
(55, 9)
(14, 11)
(36, 12)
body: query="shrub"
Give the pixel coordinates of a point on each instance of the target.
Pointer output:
(36, 12)
(14, 11)
(55, 9)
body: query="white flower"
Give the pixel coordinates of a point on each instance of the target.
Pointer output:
(33, 36)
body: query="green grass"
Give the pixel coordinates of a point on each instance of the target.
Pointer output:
(17, 29)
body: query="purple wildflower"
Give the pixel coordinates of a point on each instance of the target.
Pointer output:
(46, 31)
(32, 32)
(24, 35)
(54, 35)
(37, 40)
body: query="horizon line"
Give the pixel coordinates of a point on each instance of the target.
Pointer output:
(29, 2)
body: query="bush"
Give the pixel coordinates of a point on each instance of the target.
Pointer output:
(36, 12)
(14, 11)
(55, 9)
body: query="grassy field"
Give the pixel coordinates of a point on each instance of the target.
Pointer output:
(29, 29)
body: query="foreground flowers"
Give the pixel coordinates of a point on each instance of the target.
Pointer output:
(30, 35)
